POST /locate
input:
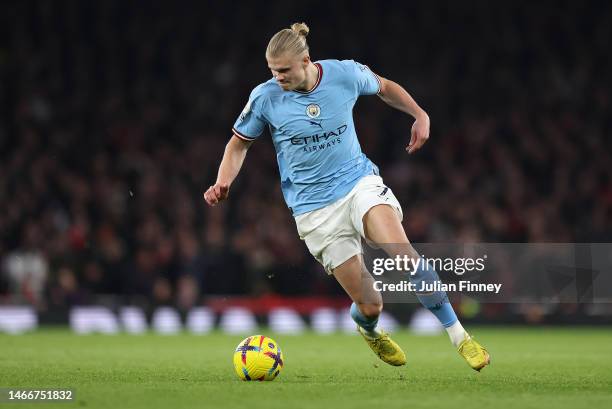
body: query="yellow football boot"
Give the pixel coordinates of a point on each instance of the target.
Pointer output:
(386, 349)
(474, 354)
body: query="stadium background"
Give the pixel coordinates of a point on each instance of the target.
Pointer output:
(114, 116)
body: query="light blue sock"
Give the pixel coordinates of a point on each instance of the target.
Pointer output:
(368, 324)
(437, 301)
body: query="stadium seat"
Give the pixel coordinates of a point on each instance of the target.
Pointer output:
(17, 319)
(133, 320)
(166, 320)
(87, 320)
(285, 321)
(237, 320)
(200, 320)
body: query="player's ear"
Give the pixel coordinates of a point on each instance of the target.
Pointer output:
(305, 60)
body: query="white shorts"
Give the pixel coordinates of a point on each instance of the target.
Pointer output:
(333, 233)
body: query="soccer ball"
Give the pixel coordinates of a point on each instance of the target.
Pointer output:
(258, 358)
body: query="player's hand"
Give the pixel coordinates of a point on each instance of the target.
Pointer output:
(419, 134)
(216, 193)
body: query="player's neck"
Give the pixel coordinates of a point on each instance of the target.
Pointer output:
(312, 76)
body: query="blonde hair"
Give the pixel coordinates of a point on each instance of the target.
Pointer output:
(289, 40)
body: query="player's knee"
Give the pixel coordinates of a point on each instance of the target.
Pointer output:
(400, 249)
(371, 310)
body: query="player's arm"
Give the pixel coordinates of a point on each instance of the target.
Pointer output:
(396, 96)
(233, 157)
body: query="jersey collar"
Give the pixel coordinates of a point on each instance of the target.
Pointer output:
(320, 68)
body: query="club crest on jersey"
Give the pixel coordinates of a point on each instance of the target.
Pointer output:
(313, 111)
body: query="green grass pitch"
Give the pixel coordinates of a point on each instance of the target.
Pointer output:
(531, 368)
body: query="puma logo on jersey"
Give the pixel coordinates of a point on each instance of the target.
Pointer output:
(316, 123)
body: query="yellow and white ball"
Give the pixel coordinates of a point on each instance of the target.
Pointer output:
(258, 358)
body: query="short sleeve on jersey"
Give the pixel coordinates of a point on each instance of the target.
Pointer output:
(367, 82)
(250, 123)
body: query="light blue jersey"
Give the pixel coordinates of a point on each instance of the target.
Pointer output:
(319, 156)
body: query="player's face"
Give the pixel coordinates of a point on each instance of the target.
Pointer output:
(289, 70)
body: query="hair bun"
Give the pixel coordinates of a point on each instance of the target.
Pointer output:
(300, 28)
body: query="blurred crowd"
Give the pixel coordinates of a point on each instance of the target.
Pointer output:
(114, 116)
